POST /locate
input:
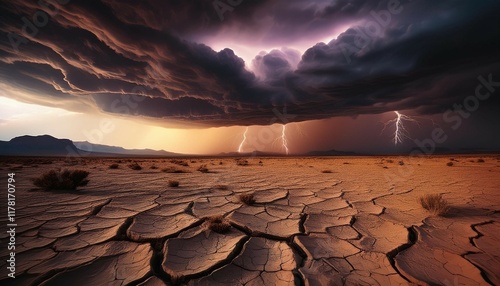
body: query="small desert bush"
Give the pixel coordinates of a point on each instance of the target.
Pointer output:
(401, 163)
(389, 161)
(480, 160)
(135, 166)
(326, 171)
(435, 204)
(203, 169)
(179, 162)
(153, 167)
(449, 164)
(218, 224)
(113, 166)
(241, 162)
(173, 183)
(247, 199)
(62, 180)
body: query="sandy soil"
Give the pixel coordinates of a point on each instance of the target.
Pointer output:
(315, 221)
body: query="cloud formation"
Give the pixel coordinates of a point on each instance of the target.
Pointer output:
(149, 59)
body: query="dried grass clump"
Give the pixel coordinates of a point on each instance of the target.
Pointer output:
(247, 199)
(241, 162)
(62, 180)
(449, 164)
(218, 224)
(203, 169)
(135, 166)
(173, 183)
(435, 204)
(179, 162)
(480, 160)
(113, 166)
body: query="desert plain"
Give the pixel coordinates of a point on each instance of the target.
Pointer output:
(307, 221)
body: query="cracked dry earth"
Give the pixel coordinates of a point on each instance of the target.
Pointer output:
(358, 224)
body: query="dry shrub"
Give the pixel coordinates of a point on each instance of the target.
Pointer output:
(435, 204)
(135, 166)
(173, 183)
(113, 166)
(62, 180)
(203, 169)
(153, 167)
(449, 164)
(241, 162)
(218, 224)
(389, 161)
(247, 199)
(481, 160)
(326, 171)
(401, 163)
(179, 162)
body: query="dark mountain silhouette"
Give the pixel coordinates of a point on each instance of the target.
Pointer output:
(330, 153)
(99, 148)
(46, 145)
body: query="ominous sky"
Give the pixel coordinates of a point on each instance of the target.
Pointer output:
(194, 74)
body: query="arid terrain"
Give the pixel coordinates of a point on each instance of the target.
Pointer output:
(304, 221)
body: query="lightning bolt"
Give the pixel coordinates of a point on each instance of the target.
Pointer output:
(243, 141)
(283, 139)
(401, 132)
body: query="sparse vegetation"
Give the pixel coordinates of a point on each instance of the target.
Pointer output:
(449, 164)
(326, 171)
(179, 162)
(135, 166)
(241, 162)
(480, 160)
(247, 199)
(203, 169)
(435, 204)
(173, 183)
(62, 180)
(153, 167)
(401, 163)
(113, 166)
(389, 161)
(218, 224)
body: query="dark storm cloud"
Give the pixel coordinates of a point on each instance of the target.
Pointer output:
(146, 60)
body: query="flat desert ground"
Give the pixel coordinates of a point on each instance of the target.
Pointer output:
(315, 221)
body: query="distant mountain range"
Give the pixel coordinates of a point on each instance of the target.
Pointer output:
(46, 145)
